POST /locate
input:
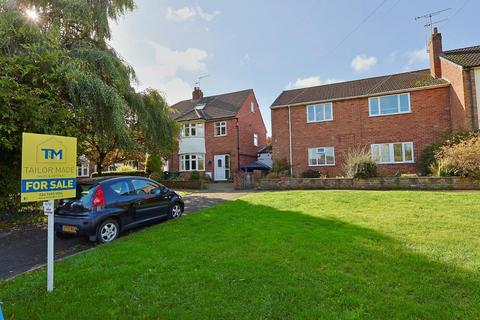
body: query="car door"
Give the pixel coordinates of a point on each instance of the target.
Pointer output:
(151, 199)
(121, 196)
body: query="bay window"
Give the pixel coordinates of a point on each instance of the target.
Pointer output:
(400, 152)
(192, 162)
(194, 129)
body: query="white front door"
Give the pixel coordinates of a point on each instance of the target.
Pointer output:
(222, 165)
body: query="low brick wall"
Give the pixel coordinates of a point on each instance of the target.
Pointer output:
(189, 184)
(383, 183)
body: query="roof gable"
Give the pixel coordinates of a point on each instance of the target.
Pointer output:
(215, 107)
(359, 88)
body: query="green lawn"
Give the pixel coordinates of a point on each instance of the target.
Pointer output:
(283, 255)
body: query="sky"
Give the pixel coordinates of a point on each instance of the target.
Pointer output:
(271, 46)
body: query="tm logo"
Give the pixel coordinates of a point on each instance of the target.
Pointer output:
(51, 154)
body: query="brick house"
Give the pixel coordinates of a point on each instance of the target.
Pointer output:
(219, 134)
(395, 116)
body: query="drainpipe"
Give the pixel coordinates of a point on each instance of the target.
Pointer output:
(470, 89)
(238, 146)
(290, 140)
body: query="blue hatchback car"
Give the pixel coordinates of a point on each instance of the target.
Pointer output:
(106, 206)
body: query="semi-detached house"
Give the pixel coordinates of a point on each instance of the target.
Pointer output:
(219, 134)
(396, 116)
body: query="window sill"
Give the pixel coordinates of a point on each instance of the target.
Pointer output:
(390, 114)
(322, 165)
(319, 121)
(219, 136)
(405, 162)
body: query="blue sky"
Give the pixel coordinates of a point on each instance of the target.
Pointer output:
(273, 45)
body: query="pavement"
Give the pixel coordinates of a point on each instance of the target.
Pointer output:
(26, 248)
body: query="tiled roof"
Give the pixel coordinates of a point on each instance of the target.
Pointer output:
(465, 57)
(216, 107)
(359, 88)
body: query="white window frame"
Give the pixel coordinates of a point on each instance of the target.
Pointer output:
(392, 152)
(83, 167)
(220, 125)
(255, 140)
(323, 106)
(197, 126)
(315, 149)
(380, 107)
(252, 106)
(182, 159)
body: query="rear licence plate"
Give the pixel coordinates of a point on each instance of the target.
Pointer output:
(71, 229)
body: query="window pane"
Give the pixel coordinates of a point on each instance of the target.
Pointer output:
(374, 106)
(384, 153)
(319, 113)
(408, 151)
(398, 152)
(187, 164)
(388, 104)
(193, 131)
(328, 111)
(194, 164)
(311, 113)
(404, 103)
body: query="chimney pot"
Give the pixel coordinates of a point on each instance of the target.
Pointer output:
(197, 94)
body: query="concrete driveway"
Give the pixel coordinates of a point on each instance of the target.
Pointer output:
(26, 249)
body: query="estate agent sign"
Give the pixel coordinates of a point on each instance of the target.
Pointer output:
(49, 167)
(49, 170)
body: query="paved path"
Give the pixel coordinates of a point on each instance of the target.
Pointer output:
(26, 249)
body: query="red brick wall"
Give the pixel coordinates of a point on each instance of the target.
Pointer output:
(249, 123)
(459, 95)
(352, 126)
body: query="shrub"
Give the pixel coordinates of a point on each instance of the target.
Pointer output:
(280, 166)
(276, 175)
(460, 159)
(310, 173)
(428, 160)
(359, 164)
(154, 164)
(157, 176)
(125, 168)
(195, 175)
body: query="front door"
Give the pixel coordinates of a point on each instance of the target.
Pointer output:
(222, 167)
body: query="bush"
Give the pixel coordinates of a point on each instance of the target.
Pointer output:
(195, 175)
(428, 159)
(125, 168)
(157, 176)
(154, 164)
(359, 164)
(276, 175)
(281, 166)
(310, 173)
(460, 159)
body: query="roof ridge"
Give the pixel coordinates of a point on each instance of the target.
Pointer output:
(214, 96)
(362, 79)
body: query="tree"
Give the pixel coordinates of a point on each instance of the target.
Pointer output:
(59, 76)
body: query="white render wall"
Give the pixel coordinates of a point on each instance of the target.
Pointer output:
(191, 145)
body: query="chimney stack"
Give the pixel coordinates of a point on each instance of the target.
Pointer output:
(197, 94)
(435, 49)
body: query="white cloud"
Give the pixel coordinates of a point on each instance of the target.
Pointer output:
(416, 57)
(309, 82)
(245, 59)
(169, 61)
(363, 63)
(190, 13)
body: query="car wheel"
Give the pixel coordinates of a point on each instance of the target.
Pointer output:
(108, 231)
(175, 211)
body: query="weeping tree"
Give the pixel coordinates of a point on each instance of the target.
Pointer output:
(58, 75)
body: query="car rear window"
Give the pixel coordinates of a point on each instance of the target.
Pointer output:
(83, 195)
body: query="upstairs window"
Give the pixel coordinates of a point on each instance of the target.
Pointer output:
(255, 140)
(252, 106)
(321, 156)
(192, 130)
(320, 112)
(386, 105)
(220, 129)
(385, 153)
